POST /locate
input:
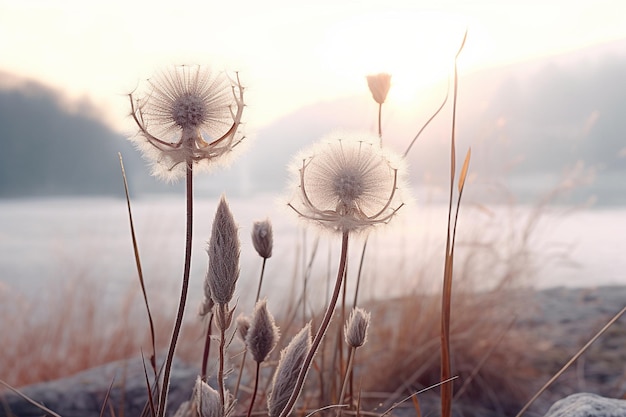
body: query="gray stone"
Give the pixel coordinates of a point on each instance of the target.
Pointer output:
(83, 394)
(587, 405)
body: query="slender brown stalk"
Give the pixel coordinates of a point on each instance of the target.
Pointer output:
(446, 296)
(380, 126)
(322, 329)
(258, 291)
(220, 371)
(207, 348)
(346, 378)
(140, 272)
(256, 387)
(183, 293)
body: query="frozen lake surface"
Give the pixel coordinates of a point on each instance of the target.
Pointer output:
(45, 243)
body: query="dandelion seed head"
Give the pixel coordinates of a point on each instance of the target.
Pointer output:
(347, 182)
(188, 110)
(187, 114)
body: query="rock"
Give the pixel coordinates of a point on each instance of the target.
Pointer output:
(587, 405)
(83, 394)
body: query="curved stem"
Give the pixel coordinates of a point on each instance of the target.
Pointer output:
(256, 387)
(321, 331)
(183, 293)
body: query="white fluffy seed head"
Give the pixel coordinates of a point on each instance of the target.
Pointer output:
(347, 182)
(356, 327)
(223, 250)
(286, 374)
(187, 113)
(263, 238)
(263, 333)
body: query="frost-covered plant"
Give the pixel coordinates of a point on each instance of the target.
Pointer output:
(287, 371)
(347, 183)
(187, 114)
(261, 339)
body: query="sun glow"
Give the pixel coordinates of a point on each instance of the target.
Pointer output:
(417, 49)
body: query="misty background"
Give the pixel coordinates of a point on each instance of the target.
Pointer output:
(555, 122)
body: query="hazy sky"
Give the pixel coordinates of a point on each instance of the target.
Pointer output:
(289, 53)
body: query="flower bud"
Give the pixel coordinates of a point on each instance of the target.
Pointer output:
(379, 85)
(262, 238)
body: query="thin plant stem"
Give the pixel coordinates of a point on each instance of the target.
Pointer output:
(322, 329)
(256, 387)
(140, 272)
(446, 296)
(243, 362)
(220, 371)
(346, 378)
(380, 127)
(258, 291)
(183, 292)
(207, 348)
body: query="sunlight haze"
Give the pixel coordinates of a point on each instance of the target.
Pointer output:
(288, 54)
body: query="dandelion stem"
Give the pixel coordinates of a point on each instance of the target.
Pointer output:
(183, 293)
(322, 329)
(256, 387)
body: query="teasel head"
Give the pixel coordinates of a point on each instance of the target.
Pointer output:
(287, 371)
(356, 327)
(379, 85)
(187, 114)
(347, 183)
(262, 238)
(263, 334)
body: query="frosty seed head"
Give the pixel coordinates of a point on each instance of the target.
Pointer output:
(347, 183)
(187, 114)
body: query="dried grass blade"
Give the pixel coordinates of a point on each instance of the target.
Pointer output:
(464, 170)
(106, 397)
(572, 360)
(29, 400)
(139, 268)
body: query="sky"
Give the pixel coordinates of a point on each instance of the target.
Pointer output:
(289, 54)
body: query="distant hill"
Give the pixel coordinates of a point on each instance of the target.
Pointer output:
(49, 150)
(531, 126)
